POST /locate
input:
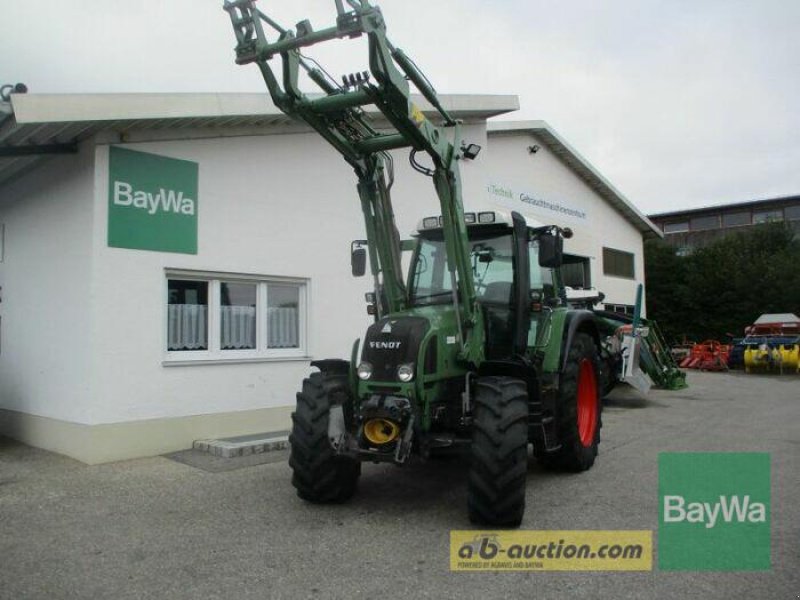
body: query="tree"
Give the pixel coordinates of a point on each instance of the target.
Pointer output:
(723, 287)
(668, 298)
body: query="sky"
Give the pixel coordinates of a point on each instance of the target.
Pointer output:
(678, 103)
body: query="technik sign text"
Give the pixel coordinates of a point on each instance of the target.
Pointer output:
(152, 202)
(506, 196)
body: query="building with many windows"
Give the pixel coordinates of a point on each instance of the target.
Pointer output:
(170, 263)
(688, 229)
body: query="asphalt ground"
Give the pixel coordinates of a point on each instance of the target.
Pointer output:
(160, 528)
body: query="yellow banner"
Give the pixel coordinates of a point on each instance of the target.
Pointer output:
(551, 550)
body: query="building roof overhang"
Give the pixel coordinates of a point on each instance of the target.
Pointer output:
(34, 126)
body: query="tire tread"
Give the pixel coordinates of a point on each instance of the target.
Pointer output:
(318, 473)
(499, 455)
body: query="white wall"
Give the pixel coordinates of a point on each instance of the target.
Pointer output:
(86, 322)
(544, 175)
(262, 211)
(46, 351)
(274, 205)
(414, 196)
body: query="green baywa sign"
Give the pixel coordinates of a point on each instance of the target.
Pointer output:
(714, 511)
(152, 202)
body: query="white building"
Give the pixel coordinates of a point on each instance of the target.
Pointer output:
(139, 232)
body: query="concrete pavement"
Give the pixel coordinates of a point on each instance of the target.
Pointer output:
(157, 528)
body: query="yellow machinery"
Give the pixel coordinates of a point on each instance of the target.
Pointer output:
(784, 358)
(772, 343)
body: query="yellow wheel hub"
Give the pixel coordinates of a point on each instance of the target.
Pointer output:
(381, 431)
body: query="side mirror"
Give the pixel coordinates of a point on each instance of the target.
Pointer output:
(551, 250)
(358, 258)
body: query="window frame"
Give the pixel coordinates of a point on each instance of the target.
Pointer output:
(215, 287)
(215, 354)
(765, 216)
(739, 213)
(585, 263)
(627, 309)
(683, 225)
(695, 222)
(789, 212)
(606, 273)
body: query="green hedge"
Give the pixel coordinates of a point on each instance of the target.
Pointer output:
(723, 287)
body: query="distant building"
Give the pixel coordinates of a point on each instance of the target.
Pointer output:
(697, 227)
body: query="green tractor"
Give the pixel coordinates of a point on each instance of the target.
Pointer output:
(477, 346)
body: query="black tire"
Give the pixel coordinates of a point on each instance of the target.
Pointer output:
(610, 365)
(609, 377)
(319, 474)
(499, 452)
(576, 454)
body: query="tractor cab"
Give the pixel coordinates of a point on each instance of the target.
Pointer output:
(506, 296)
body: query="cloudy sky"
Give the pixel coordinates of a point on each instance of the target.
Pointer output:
(678, 103)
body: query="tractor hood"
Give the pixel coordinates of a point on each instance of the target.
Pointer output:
(391, 342)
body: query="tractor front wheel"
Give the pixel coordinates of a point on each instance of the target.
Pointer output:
(578, 412)
(499, 452)
(319, 474)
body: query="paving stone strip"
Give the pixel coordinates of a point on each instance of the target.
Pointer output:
(244, 445)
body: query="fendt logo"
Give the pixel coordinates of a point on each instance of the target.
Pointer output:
(164, 200)
(714, 511)
(729, 508)
(385, 345)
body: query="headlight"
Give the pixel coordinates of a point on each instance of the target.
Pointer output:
(405, 373)
(364, 371)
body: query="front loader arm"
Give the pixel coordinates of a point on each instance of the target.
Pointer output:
(338, 116)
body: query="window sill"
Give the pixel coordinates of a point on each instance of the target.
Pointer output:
(619, 277)
(181, 362)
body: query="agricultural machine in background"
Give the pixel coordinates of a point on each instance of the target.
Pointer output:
(477, 346)
(771, 344)
(637, 350)
(710, 355)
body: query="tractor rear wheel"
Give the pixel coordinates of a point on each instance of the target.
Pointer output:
(499, 452)
(608, 373)
(319, 474)
(578, 412)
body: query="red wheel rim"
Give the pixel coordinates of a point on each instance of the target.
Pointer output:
(587, 403)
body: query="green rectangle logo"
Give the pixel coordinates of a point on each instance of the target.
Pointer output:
(714, 511)
(152, 202)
